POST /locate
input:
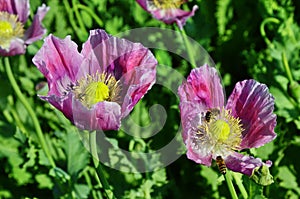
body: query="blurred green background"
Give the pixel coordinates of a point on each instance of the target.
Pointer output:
(257, 39)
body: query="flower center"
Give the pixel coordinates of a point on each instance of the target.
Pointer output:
(218, 131)
(166, 4)
(97, 88)
(10, 28)
(97, 92)
(221, 129)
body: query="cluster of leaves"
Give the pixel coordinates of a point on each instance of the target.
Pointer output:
(260, 38)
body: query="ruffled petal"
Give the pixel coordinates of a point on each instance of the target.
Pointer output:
(17, 47)
(189, 110)
(137, 82)
(200, 158)
(198, 149)
(102, 116)
(114, 55)
(131, 63)
(170, 16)
(62, 103)
(16, 7)
(244, 164)
(59, 61)
(253, 104)
(204, 88)
(36, 30)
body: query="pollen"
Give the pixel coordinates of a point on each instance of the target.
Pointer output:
(10, 28)
(165, 4)
(97, 88)
(222, 133)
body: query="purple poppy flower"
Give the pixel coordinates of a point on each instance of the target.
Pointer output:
(212, 129)
(168, 11)
(99, 86)
(13, 16)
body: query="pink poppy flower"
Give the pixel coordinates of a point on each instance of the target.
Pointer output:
(13, 16)
(213, 129)
(97, 87)
(168, 11)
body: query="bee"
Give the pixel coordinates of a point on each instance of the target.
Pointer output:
(211, 114)
(221, 164)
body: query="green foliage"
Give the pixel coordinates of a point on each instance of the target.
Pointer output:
(247, 39)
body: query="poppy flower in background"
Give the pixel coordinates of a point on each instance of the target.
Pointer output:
(212, 129)
(168, 11)
(13, 16)
(99, 86)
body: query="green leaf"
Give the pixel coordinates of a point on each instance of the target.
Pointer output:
(288, 179)
(81, 190)
(77, 155)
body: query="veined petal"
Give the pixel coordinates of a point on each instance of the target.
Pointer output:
(114, 55)
(17, 7)
(59, 61)
(170, 16)
(96, 37)
(204, 88)
(137, 82)
(244, 164)
(36, 30)
(102, 116)
(199, 158)
(253, 104)
(62, 103)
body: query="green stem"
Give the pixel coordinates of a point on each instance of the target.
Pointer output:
(98, 167)
(27, 106)
(71, 18)
(240, 185)
(262, 29)
(287, 67)
(188, 47)
(95, 17)
(230, 185)
(79, 19)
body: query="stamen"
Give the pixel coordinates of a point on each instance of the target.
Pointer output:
(97, 88)
(10, 28)
(164, 4)
(219, 129)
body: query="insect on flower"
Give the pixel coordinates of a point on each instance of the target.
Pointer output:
(221, 165)
(215, 130)
(211, 114)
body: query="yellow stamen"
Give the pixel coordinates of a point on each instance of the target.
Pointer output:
(167, 4)
(96, 92)
(219, 130)
(222, 130)
(97, 88)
